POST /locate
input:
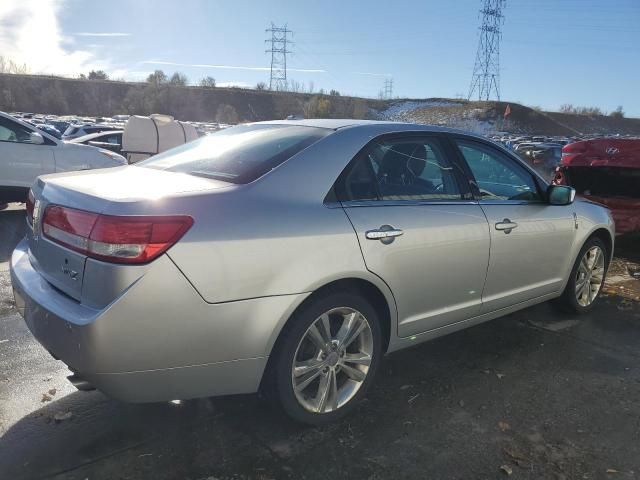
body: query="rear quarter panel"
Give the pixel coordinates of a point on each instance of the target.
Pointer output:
(246, 246)
(276, 236)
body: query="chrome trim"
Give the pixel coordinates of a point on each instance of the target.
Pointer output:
(382, 234)
(510, 202)
(398, 203)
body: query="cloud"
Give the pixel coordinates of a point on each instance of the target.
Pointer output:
(30, 34)
(372, 74)
(228, 67)
(102, 34)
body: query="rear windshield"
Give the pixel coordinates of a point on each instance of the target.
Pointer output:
(239, 154)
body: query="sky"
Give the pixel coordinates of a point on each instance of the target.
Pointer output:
(582, 52)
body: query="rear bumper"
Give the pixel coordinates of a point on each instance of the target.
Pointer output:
(625, 212)
(158, 340)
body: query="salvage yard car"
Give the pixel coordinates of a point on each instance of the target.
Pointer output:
(607, 171)
(26, 152)
(290, 256)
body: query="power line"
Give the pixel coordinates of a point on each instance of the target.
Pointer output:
(278, 51)
(388, 88)
(486, 71)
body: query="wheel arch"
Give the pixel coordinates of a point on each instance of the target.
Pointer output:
(604, 235)
(374, 291)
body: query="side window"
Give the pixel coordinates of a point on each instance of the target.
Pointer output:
(497, 176)
(13, 132)
(113, 139)
(402, 169)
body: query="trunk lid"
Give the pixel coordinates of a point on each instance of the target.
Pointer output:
(129, 189)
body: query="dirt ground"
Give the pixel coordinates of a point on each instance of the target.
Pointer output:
(534, 395)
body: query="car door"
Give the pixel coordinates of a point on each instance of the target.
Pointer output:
(530, 238)
(418, 228)
(20, 160)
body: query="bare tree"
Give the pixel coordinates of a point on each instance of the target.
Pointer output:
(179, 79)
(9, 66)
(156, 78)
(208, 82)
(227, 114)
(97, 75)
(617, 113)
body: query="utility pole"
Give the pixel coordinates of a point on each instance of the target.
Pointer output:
(279, 43)
(486, 71)
(388, 88)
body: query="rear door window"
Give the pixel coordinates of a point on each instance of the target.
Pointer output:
(402, 169)
(239, 154)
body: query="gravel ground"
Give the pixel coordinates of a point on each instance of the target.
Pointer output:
(532, 395)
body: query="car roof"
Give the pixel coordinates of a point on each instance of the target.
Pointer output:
(338, 123)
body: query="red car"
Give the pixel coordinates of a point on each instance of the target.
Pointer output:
(607, 171)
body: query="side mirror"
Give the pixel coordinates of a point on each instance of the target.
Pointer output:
(561, 195)
(35, 138)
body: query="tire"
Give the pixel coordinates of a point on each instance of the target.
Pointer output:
(572, 302)
(332, 367)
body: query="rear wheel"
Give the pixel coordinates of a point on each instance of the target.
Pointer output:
(587, 278)
(326, 358)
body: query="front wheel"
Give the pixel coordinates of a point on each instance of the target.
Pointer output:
(326, 358)
(587, 278)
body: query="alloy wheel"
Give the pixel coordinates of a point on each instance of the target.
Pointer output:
(332, 360)
(590, 276)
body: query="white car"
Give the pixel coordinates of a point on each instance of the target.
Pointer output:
(26, 153)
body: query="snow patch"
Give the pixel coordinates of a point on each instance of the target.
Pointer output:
(401, 111)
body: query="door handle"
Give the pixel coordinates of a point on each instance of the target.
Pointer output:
(506, 225)
(386, 233)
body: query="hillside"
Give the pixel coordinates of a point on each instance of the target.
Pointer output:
(487, 117)
(62, 96)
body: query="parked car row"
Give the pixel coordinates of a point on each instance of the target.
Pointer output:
(69, 127)
(27, 152)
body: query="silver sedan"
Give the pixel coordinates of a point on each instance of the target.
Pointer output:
(290, 256)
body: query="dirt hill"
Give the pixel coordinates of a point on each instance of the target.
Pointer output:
(42, 94)
(62, 96)
(488, 117)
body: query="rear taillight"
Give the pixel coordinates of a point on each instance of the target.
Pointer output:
(31, 201)
(117, 239)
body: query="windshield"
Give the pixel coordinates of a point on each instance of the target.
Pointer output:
(240, 154)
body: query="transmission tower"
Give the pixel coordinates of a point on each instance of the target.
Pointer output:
(388, 88)
(486, 71)
(279, 43)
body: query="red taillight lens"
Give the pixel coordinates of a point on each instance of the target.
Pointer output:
(117, 239)
(31, 201)
(136, 239)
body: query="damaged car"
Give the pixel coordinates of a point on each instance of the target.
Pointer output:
(606, 171)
